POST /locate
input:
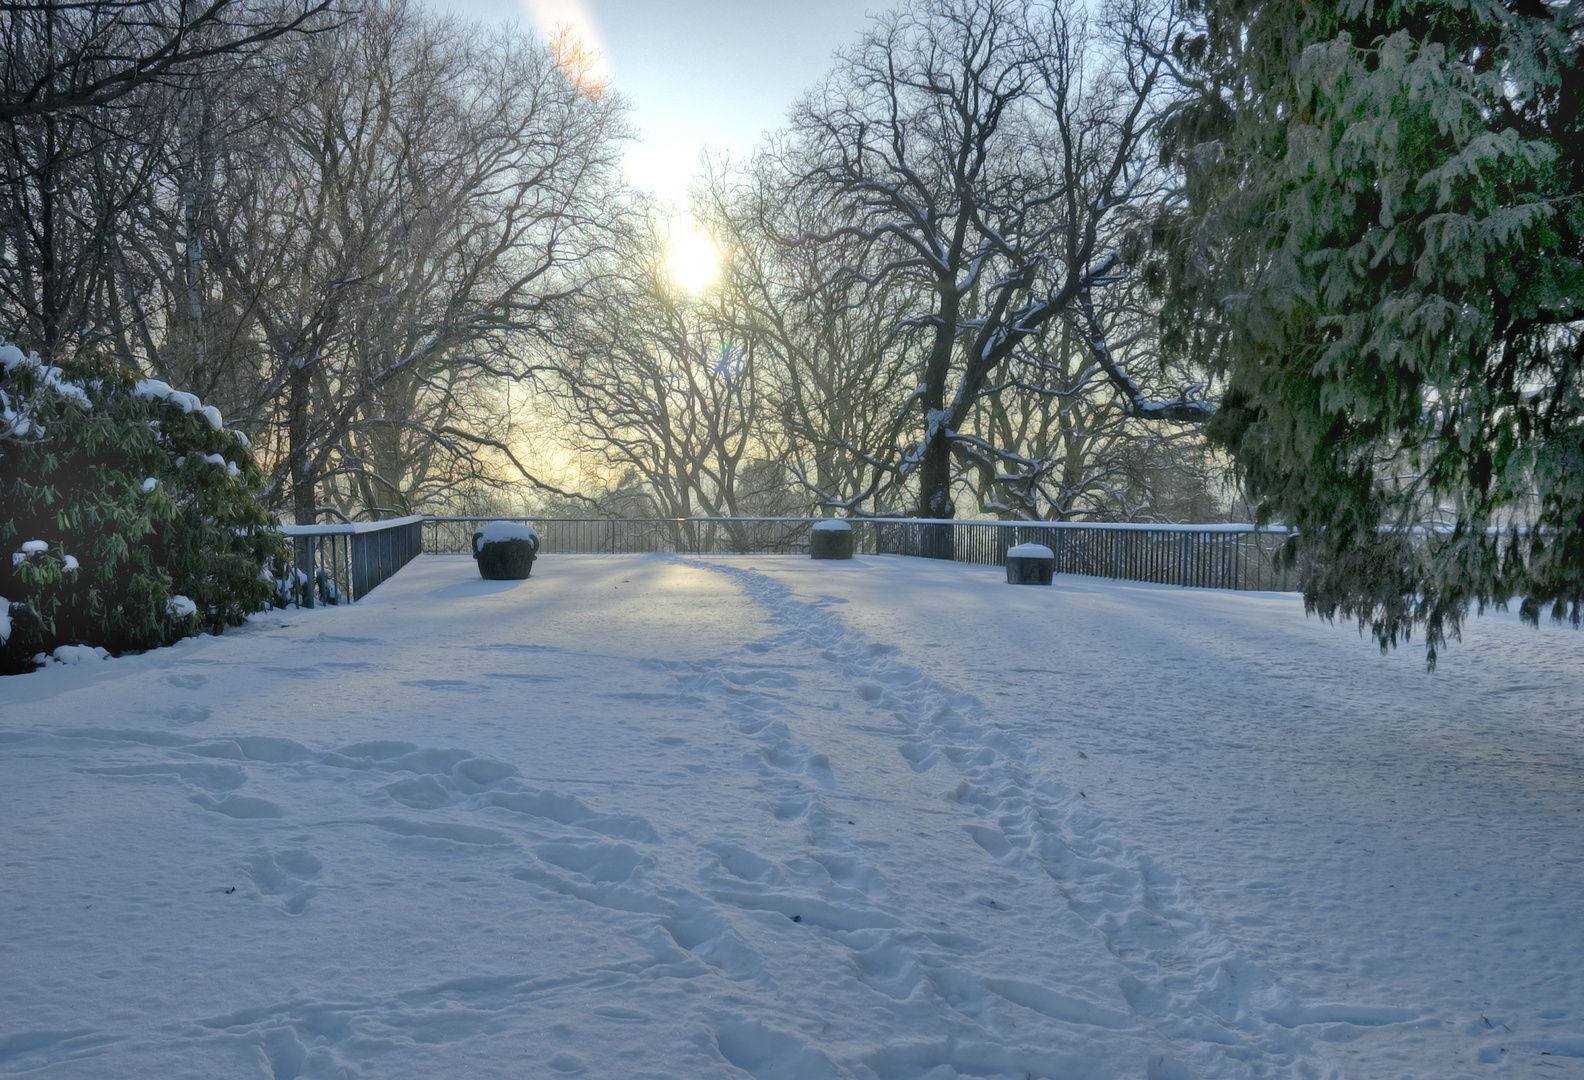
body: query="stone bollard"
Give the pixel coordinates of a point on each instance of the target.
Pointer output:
(831, 539)
(1030, 564)
(505, 550)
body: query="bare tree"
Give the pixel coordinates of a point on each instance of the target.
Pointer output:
(985, 152)
(67, 185)
(830, 371)
(90, 92)
(78, 56)
(658, 383)
(408, 208)
(1050, 437)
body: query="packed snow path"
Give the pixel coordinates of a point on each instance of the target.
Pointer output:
(653, 816)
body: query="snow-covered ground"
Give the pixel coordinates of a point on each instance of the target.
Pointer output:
(650, 816)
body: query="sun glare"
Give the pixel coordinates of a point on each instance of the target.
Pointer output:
(574, 38)
(692, 260)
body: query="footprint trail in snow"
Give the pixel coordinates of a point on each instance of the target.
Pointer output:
(641, 817)
(1216, 1013)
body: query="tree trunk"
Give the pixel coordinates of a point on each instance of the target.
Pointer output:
(49, 297)
(935, 499)
(190, 161)
(299, 460)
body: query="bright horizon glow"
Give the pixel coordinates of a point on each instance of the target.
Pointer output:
(692, 260)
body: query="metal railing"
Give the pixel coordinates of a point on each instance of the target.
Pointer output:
(1239, 556)
(332, 564)
(631, 536)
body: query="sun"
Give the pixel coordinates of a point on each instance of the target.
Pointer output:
(692, 261)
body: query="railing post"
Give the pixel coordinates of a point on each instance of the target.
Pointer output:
(357, 559)
(304, 567)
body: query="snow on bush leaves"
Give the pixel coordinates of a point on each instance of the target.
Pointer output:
(132, 513)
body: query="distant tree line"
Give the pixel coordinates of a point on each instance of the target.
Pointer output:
(340, 236)
(926, 303)
(395, 250)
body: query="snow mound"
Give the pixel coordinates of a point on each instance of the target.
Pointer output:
(155, 390)
(71, 654)
(28, 550)
(832, 525)
(1030, 551)
(14, 421)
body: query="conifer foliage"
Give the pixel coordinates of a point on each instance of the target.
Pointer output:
(1383, 253)
(130, 513)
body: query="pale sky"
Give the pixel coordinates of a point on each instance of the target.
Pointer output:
(697, 73)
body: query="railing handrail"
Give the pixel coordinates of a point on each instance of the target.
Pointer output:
(346, 560)
(1242, 528)
(349, 528)
(1132, 526)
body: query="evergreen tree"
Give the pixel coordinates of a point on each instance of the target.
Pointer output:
(1382, 251)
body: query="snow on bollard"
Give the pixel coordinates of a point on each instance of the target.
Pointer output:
(1030, 564)
(831, 539)
(505, 550)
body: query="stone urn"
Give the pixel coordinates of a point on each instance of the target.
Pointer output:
(831, 539)
(1030, 564)
(505, 550)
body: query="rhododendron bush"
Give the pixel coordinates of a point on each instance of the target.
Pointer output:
(130, 514)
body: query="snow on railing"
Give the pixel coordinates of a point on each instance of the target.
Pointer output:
(1220, 556)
